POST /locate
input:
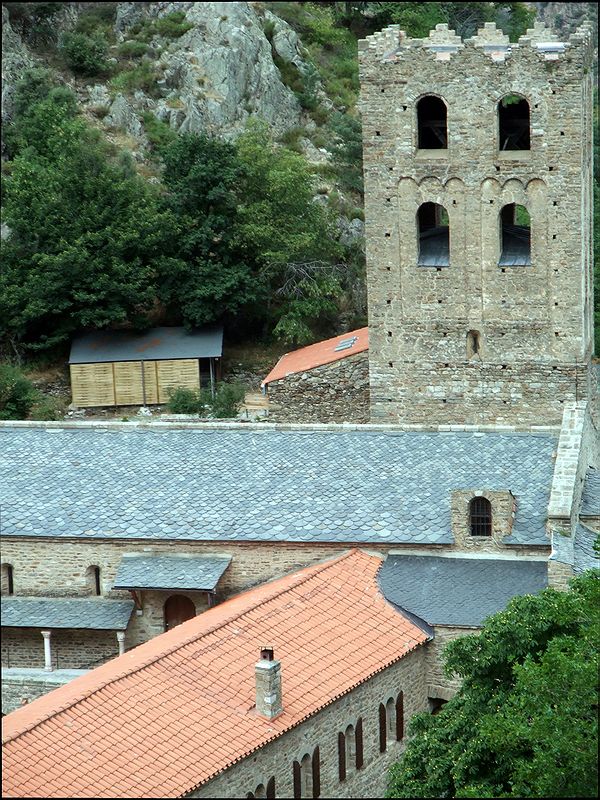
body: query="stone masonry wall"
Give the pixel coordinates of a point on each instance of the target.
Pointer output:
(336, 392)
(276, 758)
(439, 685)
(71, 649)
(41, 568)
(20, 687)
(535, 322)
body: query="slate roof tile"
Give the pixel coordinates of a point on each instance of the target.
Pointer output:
(458, 591)
(90, 613)
(590, 499)
(271, 485)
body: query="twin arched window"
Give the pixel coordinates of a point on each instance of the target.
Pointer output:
(391, 721)
(350, 749)
(307, 775)
(434, 236)
(263, 791)
(513, 123)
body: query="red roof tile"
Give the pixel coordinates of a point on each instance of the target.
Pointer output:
(315, 355)
(177, 710)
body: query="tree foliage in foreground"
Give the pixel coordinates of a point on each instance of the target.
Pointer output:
(524, 723)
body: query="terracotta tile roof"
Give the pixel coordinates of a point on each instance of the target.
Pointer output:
(315, 355)
(177, 710)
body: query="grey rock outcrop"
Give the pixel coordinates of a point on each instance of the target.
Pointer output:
(217, 74)
(15, 60)
(122, 115)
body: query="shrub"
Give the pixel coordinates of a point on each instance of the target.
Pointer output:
(47, 408)
(172, 25)
(84, 54)
(143, 76)
(133, 49)
(17, 393)
(227, 400)
(159, 133)
(184, 401)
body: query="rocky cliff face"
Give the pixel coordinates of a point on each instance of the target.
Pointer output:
(218, 73)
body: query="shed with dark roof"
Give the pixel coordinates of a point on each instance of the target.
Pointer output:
(112, 368)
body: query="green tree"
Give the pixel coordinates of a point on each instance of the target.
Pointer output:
(86, 232)
(206, 275)
(524, 723)
(288, 234)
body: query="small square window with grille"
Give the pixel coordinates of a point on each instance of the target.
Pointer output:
(480, 514)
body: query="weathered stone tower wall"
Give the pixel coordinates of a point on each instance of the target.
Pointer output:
(535, 322)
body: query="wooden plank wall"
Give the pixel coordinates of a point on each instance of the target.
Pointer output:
(92, 385)
(120, 383)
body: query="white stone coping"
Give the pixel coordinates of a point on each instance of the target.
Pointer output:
(568, 452)
(260, 426)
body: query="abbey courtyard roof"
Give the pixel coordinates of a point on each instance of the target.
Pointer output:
(296, 484)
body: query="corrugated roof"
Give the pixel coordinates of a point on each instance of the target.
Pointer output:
(458, 591)
(155, 344)
(89, 613)
(175, 711)
(298, 485)
(316, 355)
(170, 572)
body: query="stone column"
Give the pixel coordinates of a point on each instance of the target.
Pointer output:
(121, 641)
(47, 651)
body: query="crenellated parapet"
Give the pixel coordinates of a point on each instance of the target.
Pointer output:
(392, 43)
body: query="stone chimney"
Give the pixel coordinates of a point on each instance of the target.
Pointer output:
(268, 685)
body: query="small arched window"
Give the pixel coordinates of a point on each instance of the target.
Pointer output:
(307, 775)
(434, 236)
(473, 344)
(8, 586)
(513, 123)
(93, 581)
(432, 123)
(480, 516)
(263, 791)
(515, 233)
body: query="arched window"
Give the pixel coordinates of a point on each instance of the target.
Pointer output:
(473, 344)
(261, 791)
(400, 717)
(92, 579)
(8, 586)
(178, 609)
(434, 235)
(515, 225)
(432, 123)
(480, 516)
(307, 775)
(513, 123)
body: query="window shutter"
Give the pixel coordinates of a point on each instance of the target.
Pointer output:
(316, 772)
(359, 744)
(382, 728)
(400, 717)
(297, 783)
(342, 755)
(271, 789)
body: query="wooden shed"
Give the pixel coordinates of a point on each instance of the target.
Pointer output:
(121, 368)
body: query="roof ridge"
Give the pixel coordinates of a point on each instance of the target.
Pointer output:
(292, 581)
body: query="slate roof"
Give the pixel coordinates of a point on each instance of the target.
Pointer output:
(90, 613)
(458, 591)
(155, 344)
(173, 712)
(170, 572)
(590, 500)
(297, 485)
(316, 355)
(584, 555)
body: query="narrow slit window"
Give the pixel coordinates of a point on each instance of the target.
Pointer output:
(473, 344)
(434, 236)
(432, 121)
(93, 580)
(8, 586)
(480, 516)
(513, 123)
(515, 234)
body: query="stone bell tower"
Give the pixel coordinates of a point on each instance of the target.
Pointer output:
(478, 207)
